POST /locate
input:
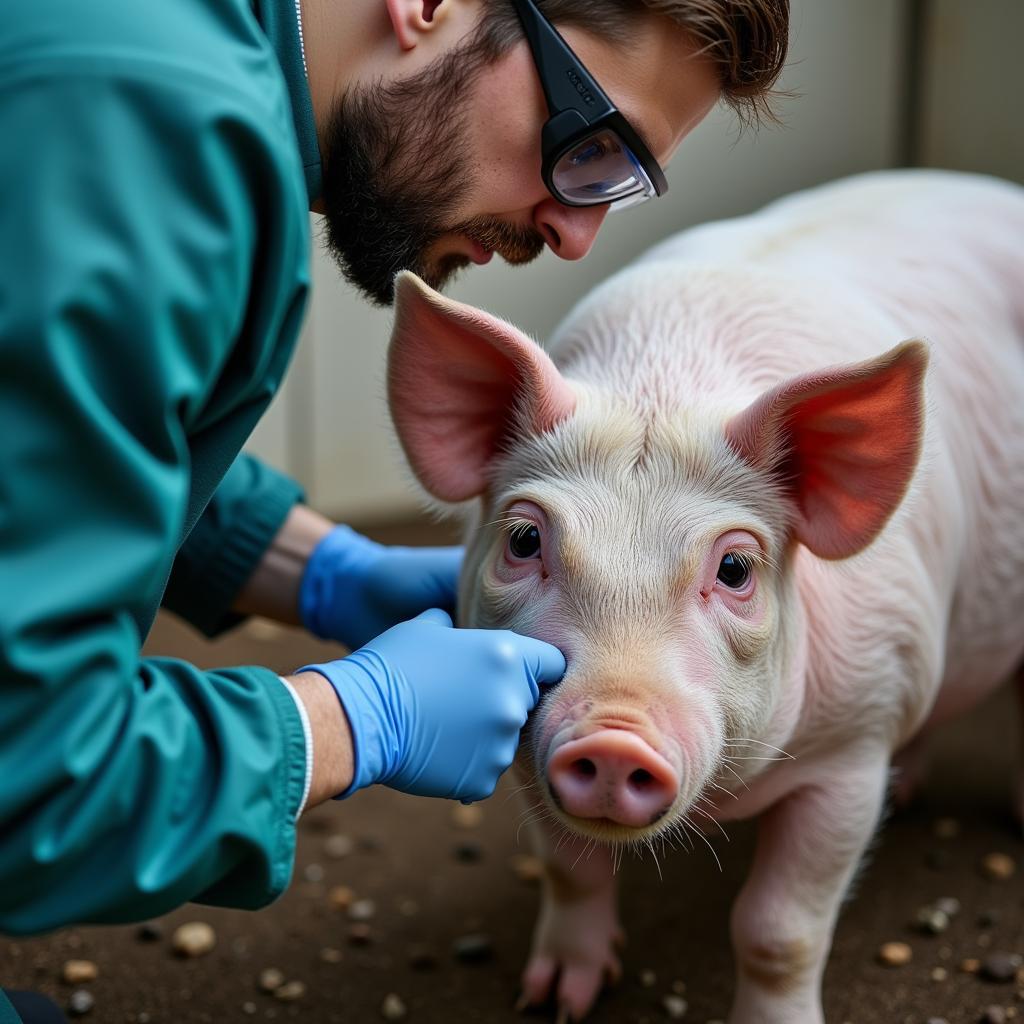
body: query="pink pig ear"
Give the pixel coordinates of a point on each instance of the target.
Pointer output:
(460, 382)
(846, 440)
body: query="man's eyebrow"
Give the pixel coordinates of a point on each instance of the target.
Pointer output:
(640, 128)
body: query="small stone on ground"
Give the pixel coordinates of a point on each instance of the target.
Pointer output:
(467, 816)
(393, 1008)
(895, 954)
(998, 866)
(77, 972)
(290, 991)
(1000, 967)
(362, 910)
(338, 846)
(675, 1006)
(194, 939)
(270, 979)
(80, 1003)
(472, 949)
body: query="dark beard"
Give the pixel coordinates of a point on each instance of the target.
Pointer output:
(394, 173)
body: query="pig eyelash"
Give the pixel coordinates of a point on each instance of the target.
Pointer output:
(752, 559)
(510, 522)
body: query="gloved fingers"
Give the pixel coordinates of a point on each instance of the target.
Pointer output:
(435, 616)
(447, 563)
(545, 661)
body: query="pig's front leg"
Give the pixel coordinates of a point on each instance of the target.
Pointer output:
(575, 942)
(808, 848)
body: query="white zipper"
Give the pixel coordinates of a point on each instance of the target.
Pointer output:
(302, 44)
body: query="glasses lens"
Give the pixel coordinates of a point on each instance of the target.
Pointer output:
(600, 169)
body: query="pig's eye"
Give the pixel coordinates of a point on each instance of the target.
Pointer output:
(524, 542)
(734, 571)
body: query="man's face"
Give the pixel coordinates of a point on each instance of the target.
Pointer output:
(440, 170)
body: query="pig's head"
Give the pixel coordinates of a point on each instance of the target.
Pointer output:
(654, 547)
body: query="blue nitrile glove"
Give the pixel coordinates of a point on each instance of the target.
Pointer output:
(354, 588)
(436, 711)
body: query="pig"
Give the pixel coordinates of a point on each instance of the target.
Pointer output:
(766, 492)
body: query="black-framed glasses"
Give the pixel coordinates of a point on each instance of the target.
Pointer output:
(590, 153)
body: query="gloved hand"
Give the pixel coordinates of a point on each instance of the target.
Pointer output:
(354, 588)
(436, 711)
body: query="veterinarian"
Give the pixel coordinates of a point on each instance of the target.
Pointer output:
(158, 165)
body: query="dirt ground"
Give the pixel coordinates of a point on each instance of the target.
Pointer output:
(433, 883)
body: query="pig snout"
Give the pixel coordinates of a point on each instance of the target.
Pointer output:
(612, 774)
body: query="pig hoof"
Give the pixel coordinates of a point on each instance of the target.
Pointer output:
(574, 982)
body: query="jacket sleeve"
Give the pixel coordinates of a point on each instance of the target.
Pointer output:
(127, 239)
(248, 508)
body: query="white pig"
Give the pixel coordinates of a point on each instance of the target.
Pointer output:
(773, 557)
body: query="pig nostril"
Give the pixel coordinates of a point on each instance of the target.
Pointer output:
(641, 779)
(585, 768)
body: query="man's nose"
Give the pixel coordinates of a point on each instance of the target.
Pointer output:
(568, 230)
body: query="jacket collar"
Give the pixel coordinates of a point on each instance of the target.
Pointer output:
(281, 21)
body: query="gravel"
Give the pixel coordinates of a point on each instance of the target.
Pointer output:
(290, 991)
(393, 1008)
(340, 897)
(80, 1003)
(468, 852)
(77, 972)
(1000, 867)
(473, 949)
(467, 816)
(675, 1006)
(149, 932)
(945, 828)
(270, 979)
(362, 910)
(338, 846)
(526, 867)
(194, 939)
(895, 954)
(931, 920)
(1001, 967)
(993, 1015)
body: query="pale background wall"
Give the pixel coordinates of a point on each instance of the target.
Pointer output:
(878, 82)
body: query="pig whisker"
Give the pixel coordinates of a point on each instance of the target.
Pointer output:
(684, 837)
(761, 743)
(739, 778)
(704, 839)
(715, 785)
(618, 851)
(589, 843)
(536, 820)
(654, 853)
(712, 819)
(530, 817)
(757, 757)
(520, 789)
(678, 832)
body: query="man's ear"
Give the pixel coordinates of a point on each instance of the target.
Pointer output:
(412, 18)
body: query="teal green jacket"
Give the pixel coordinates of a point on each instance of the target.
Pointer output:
(156, 166)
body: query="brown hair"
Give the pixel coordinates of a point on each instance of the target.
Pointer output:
(747, 39)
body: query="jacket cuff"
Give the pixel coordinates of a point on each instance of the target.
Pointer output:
(243, 889)
(227, 543)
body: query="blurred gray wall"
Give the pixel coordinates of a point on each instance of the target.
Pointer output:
(876, 83)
